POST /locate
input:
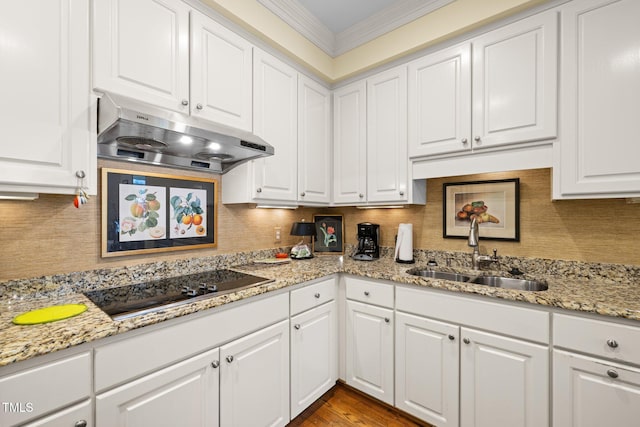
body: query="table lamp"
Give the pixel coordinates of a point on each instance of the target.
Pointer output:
(302, 250)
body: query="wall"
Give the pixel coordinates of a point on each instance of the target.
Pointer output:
(444, 23)
(49, 235)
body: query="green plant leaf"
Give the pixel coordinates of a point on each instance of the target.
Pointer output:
(130, 197)
(151, 222)
(150, 197)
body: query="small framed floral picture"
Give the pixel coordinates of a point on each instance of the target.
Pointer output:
(329, 238)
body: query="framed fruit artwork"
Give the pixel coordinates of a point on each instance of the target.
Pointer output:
(495, 205)
(150, 212)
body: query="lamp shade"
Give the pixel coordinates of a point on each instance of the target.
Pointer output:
(303, 229)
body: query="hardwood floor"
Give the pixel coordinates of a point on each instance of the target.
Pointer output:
(344, 406)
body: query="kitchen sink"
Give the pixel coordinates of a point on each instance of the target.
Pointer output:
(445, 275)
(509, 283)
(495, 281)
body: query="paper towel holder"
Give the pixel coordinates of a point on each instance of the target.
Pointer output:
(397, 251)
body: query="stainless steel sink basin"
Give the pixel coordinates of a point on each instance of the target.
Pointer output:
(445, 275)
(509, 283)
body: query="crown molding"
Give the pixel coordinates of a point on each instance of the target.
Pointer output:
(300, 19)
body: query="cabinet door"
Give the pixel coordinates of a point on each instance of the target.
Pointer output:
(598, 152)
(221, 74)
(314, 142)
(515, 82)
(369, 348)
(350, 144)
(503, 381)
(387, 161)
(73, 416)
(427, 369)
(590, 392)
(276, 121)
(314, 355)
(46, 97)
(146, 62)
(440, 102)
(254, 381)
(184, 394)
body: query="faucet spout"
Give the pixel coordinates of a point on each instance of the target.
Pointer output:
(474, 235)
(474, 242)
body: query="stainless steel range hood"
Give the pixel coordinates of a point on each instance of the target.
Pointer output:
(135, 131)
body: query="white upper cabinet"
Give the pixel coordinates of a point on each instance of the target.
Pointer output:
(498, 89)
(440, 102)
(387, 160)
(221, 74)
(314, 142)
(275, 115)
(46, 101)
(141, 50)
(350, 144)
(270, 180)
(597, 155)
(515, 82)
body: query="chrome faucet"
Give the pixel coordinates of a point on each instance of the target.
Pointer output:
(474, 242)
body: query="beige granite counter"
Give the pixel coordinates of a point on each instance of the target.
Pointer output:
(610, 291)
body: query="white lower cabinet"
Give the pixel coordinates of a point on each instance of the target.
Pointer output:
(254, 379)
(503, 381)
(427, 374)
(184, 394)
(369, 350)
(314, 355)
(80, 415)
(591, 392)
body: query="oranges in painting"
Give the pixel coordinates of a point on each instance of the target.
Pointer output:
(200, 230)
(197, 219)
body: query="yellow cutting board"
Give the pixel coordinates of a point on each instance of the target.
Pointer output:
(49, 314)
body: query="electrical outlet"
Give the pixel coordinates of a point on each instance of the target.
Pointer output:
(277, 234)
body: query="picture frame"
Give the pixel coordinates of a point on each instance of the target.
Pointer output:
(329, 237)
(495, 203)
(146, 212)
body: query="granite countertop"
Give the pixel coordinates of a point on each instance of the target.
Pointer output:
(615, 294)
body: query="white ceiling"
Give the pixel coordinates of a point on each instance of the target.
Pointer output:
(337, 26)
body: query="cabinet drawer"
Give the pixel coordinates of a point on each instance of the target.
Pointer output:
(369, 292)
(33, 392)
(312, 296)
(503, 318)
(600, 338)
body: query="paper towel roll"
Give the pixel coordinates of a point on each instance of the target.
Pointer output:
(404, 243)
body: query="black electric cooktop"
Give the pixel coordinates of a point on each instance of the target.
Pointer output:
(142, 298)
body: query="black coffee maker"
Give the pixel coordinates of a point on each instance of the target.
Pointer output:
(368, 242)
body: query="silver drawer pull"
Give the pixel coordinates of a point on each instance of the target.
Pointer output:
(229, 359)
(612, 343)
(317, 295)
(387, 320)
(366, 293)
(451, 337)
(297, 326)
(466, 340)
(81, 423)
(215, 364)
(612, 373)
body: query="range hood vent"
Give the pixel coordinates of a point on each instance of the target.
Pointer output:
(131, 130)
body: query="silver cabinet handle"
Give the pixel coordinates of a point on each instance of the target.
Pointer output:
(612, 373)
(317, 295)
(80, 174)
(464, 140)
(387, 320)
(303, 194)
(451, 337)
(81, 423)
(466, 340)
(199, 106)
(402, 193)
(366, 293)
(185, 102)
(361, 195)
(476, 139)
(215, 364)
(229, 359)
(258, 190)
(297, 326)
(612, 343)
